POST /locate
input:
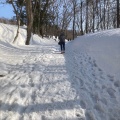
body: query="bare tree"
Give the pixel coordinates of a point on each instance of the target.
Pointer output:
(17, 6)
(118, 14)
(29, 20)
(81, 18)
(74, 9)
(86, 24)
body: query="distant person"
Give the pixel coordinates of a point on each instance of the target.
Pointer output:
(62, 42)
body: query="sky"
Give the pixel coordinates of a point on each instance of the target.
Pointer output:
(6, 11)
(37, 82)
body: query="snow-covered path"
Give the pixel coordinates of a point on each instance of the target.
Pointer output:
(39, 83)
(35, 84)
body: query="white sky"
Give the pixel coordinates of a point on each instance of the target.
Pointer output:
(37, 82)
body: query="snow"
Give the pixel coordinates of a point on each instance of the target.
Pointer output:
(39, 83)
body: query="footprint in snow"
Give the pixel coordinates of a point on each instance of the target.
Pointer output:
(43, 117)
(111, 92)
(31, 84)
(79, 114)
(89, 115)
(23, 86)
(94, 63)
(2, 75)
(117, 83)
(110, 77)
(22, 94)
(83, 104)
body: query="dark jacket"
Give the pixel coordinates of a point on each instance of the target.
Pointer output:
(62, 37)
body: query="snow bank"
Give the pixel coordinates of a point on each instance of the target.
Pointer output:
(104, 47)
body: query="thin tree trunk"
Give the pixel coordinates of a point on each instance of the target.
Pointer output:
(18, 23)
(118, 21)
(86, 24)
(104, 14)
(39, 19)
(93, 17)
(74, 27)
(108, 13)
(18, 20)
(81, 19)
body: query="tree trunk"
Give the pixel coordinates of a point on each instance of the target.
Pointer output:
(93, 26)
(29, 20)
(18, 23)
(118, 21)
(81, 19)
(104, 14)
(86, 24)
(108, 13)
(18, 19)
(74, 13)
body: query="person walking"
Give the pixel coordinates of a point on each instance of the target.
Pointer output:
(62, 42)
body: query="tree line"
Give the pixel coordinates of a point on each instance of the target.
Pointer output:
(74, 17)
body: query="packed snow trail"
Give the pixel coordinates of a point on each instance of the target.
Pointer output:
(35, 85)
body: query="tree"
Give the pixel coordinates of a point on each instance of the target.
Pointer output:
(81, 18)
(118, 14)
(17, 6)
(86, 24)
(29, 20)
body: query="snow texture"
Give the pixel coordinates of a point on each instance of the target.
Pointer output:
(39, 83)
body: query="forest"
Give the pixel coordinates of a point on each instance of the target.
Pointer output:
(74, 17)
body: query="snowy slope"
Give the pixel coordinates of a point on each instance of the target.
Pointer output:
(39, 83)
